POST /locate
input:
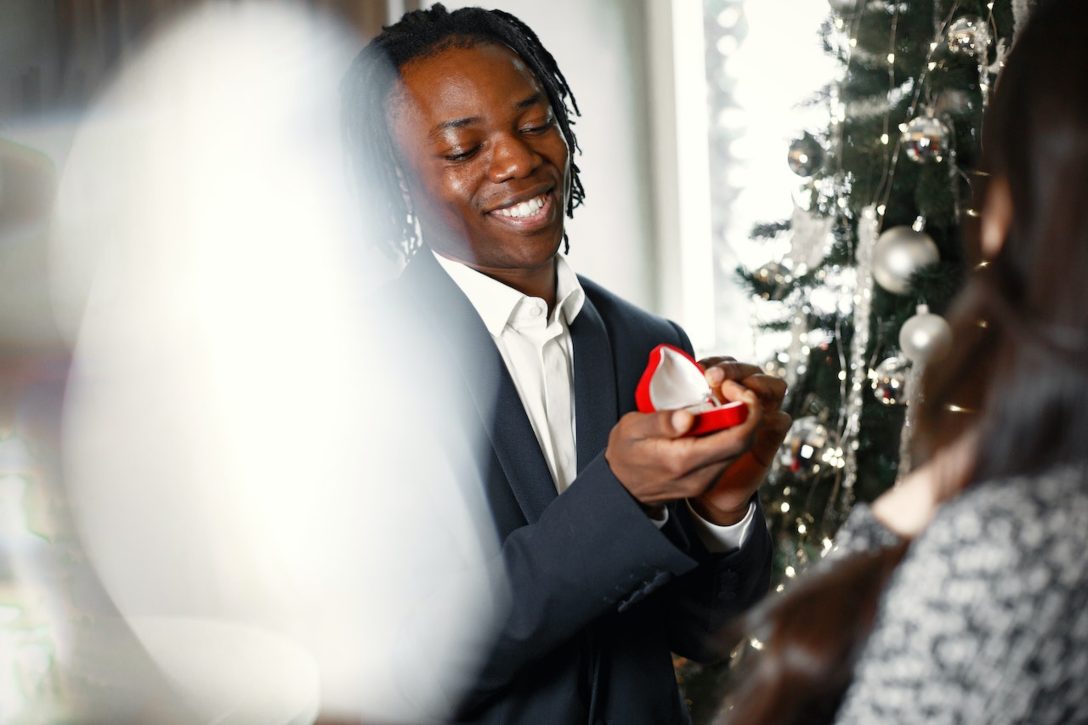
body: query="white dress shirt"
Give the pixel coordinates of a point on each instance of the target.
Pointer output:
(537, 349)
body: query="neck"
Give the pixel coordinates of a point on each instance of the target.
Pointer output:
(539, 281)
(536, 282)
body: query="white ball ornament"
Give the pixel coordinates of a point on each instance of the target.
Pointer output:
(899, 253)
(925, 338)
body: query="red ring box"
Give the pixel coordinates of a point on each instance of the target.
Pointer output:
(673, 381)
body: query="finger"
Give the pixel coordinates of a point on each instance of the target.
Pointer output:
(770, 389)
(768, 439)
(777, 422)
(709, 362)
(733, 391)
(702, 479)
(729, 370)
(662, 424)
(692, 483)
(724, 444)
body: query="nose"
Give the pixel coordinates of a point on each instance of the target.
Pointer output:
(512, 158)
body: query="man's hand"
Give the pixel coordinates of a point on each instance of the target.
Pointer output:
(656, 464)
(725, 502)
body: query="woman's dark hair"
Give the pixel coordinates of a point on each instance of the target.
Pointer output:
(1019, 363)
(811, 638)
(366, 93)
(1020, 325)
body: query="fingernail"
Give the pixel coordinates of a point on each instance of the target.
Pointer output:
(714, 376)
(681, 420)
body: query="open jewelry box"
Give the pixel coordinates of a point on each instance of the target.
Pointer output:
(673, 380)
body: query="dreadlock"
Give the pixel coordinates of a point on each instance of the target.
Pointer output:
(366, 90)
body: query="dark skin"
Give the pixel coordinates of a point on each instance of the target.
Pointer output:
(488, 171)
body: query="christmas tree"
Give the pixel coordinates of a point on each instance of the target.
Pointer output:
(876, 253)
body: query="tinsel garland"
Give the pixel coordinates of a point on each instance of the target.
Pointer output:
(858, 370)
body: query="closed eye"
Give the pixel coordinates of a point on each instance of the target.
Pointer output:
(455, 156)
(539, 128)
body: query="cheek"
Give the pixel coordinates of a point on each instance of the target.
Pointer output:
(446, 199)
(560, 156)
(440, 187)
(558, 151)
(458, 188)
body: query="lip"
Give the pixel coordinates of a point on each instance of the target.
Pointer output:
(540, 190)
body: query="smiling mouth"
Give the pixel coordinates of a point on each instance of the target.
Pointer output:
(529, 213)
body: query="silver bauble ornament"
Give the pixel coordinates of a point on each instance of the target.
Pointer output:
(925, 139)
(807, 448)
(968, 35)
(774, 278)
(805, 156)
(889, 380)
(898, 254)
(925, 338)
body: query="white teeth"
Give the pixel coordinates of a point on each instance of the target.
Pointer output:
(524, 209)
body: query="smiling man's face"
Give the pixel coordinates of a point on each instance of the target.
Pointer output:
(487, 165)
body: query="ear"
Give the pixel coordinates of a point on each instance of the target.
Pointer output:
(996, 217)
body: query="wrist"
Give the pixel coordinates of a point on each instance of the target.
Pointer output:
(717, 515)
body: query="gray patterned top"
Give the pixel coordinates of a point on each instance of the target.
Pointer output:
(986, 619)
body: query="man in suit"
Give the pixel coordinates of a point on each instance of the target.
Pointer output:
(622, 539)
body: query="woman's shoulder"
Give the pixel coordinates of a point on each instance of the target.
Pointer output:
(1025, 515)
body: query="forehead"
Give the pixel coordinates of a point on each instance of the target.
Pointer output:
(465, 82)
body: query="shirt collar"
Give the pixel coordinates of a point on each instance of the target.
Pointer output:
(496, 303)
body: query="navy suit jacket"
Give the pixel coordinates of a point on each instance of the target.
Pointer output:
(599, 595)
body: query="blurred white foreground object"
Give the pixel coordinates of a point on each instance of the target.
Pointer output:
(235, 456)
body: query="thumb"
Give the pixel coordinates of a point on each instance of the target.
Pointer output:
(679, 423)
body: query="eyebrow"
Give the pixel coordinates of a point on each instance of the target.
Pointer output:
(454, 123)
(529, 102)
(469, 120)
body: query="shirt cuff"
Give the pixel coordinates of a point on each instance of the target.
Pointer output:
(723, 539)
(659, 523)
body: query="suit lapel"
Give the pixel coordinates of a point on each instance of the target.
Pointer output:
(594, 383)
(468, 346)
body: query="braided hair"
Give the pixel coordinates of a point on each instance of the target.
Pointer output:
(366, 93)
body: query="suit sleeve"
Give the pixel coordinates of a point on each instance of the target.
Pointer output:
(593, 551)
(704, 600)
